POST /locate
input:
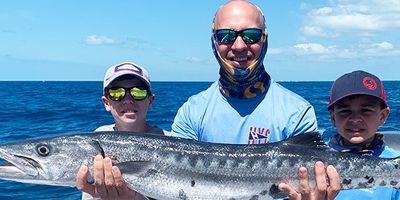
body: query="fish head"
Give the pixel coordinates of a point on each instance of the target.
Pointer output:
(49, 161)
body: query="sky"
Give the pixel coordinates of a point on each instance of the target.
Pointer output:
(309, 40)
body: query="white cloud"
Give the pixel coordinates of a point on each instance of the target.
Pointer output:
(317, 31)
(349, 22)
(323, 11)
(319, 51)
(353, 15)
(313, 48)
(384, 45)
(313, 31)
(379, 49)
(98, 40)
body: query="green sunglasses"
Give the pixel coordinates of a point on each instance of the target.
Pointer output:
(228, 36)
(117, 94)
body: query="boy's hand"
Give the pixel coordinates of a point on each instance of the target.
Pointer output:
(327, 184)
(108, 182)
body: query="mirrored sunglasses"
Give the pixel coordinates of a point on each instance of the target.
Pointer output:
(117, 94)
(228, 36)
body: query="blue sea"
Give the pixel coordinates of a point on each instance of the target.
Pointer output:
(32, 109)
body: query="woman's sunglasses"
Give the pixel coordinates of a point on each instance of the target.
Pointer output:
(228, 36)
(117, 94)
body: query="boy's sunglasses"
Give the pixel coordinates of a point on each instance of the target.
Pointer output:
(117, 94)
(228, 36)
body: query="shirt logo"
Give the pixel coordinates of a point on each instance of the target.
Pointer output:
(258, 135)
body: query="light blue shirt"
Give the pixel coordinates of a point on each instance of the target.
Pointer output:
(212, 117)
(379, 149)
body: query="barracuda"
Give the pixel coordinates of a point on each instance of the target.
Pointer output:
(170, 168)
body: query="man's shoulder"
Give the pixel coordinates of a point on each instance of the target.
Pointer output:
(206, 95)
(207, 92)
(279, 91)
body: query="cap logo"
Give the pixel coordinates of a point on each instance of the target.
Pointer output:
(125, 67)
(369, 83)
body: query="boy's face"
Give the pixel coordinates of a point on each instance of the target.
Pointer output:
(128, 112)
(358, 117)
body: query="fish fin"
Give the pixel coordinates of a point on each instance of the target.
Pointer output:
(309, 139)
(134, 167)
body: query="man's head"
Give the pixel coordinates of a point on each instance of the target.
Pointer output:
(239, 37)
(358, 106)
(127, 95)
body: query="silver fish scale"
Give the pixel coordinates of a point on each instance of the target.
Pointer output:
(185, 169)
(197, 168)
(170, 168)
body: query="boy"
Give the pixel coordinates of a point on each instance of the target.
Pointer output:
(357, 107)
(127, 96)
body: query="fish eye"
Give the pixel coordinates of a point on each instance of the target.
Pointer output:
(43, 150)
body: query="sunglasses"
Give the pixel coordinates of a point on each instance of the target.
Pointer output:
(117, 94)
(228, 36)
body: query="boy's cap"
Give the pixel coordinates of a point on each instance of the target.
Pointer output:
(357, 82)
(124, 69)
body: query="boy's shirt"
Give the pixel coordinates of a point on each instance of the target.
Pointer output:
(111, 127)
(377, 149)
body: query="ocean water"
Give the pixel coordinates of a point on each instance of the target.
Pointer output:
(32, 109)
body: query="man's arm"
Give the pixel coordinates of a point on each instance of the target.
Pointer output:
(305, 121)
(183, 124)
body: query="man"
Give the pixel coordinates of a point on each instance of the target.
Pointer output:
(127, 96)
(245, 105)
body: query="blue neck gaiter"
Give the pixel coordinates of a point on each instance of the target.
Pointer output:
(242, 83)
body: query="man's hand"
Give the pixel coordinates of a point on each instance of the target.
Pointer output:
(108, 182)
(327, 184)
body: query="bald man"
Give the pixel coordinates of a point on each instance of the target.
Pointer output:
(245, 105)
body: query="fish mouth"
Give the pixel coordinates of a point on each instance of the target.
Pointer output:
(14, 166)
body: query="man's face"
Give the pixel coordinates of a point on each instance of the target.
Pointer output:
(239, 54)
(357, 118)
(128, 111)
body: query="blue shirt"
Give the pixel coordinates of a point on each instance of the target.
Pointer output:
(376, 148)
(212, 117)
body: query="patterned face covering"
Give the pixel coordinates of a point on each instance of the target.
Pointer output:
(375, 148)
(242, 83)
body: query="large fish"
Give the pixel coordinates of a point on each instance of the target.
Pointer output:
(171, 168)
